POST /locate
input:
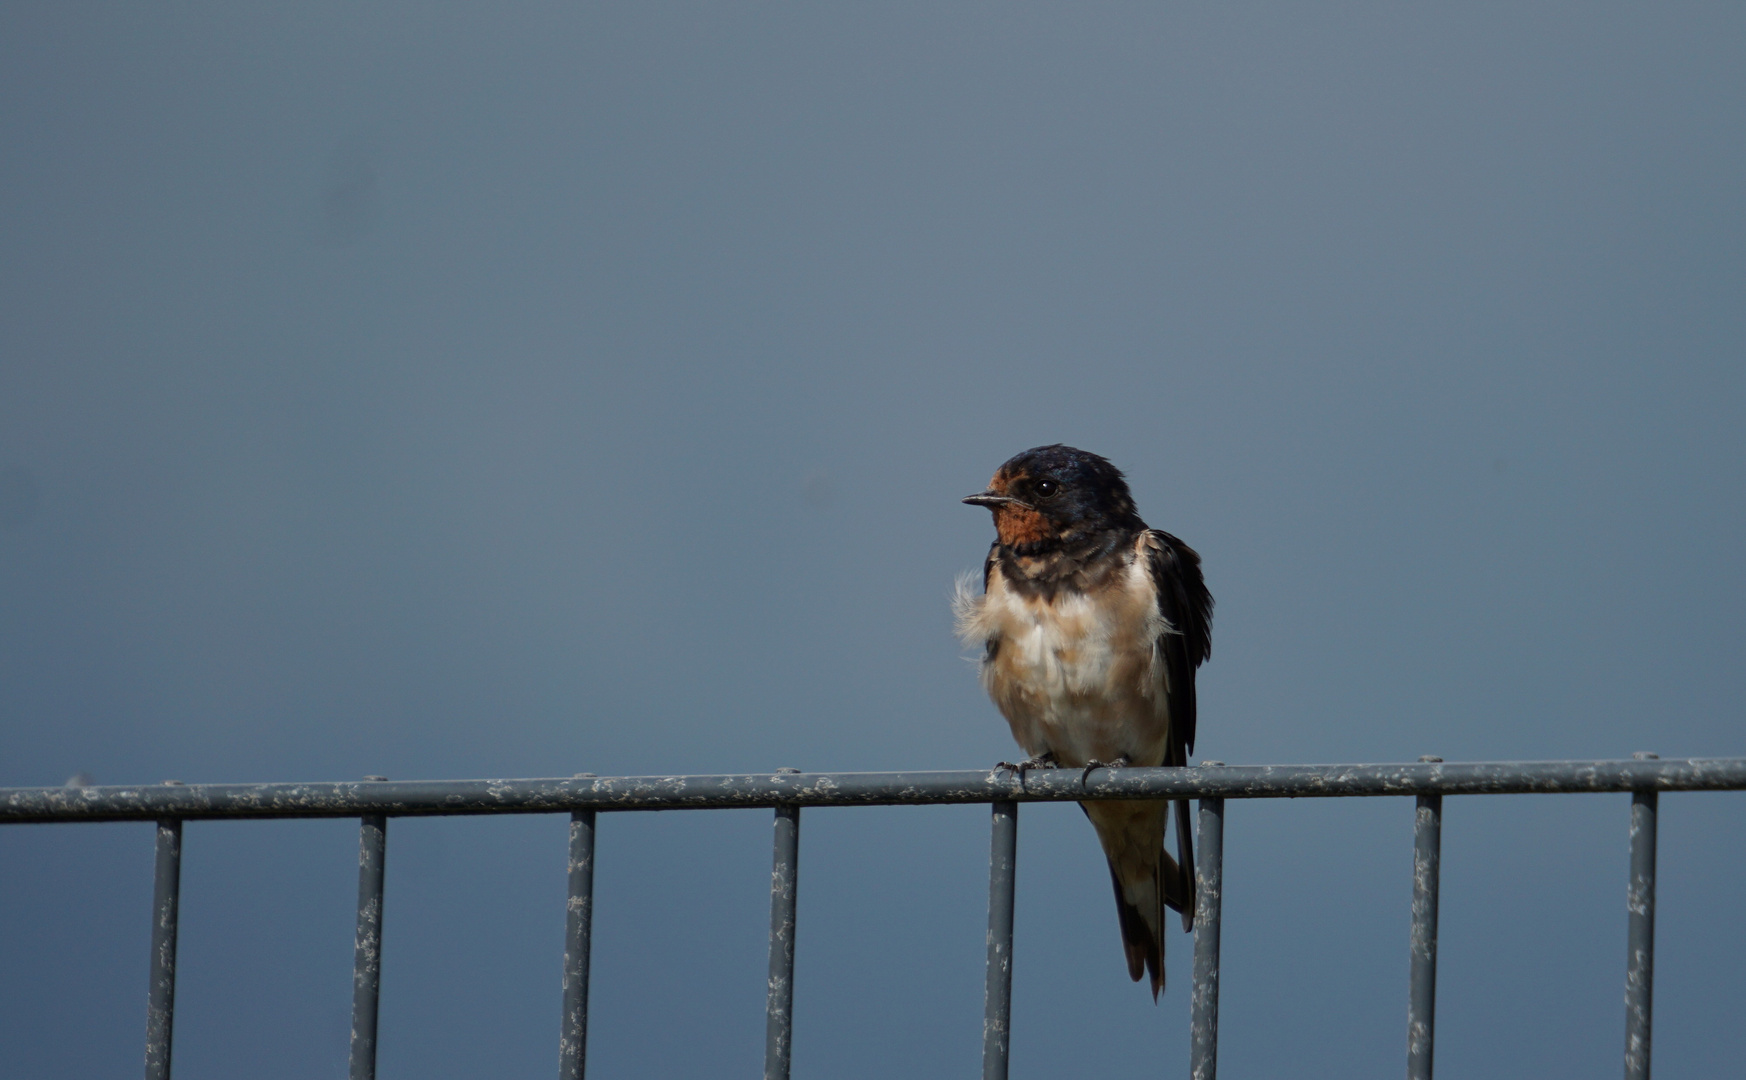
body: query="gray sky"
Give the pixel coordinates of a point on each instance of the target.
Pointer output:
(436, 391)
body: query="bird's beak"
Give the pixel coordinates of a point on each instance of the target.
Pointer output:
(988, 499)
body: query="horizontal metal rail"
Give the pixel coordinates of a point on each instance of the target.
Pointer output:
(435, 797)
(374, 800)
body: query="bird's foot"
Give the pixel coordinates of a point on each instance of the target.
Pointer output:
(1120, 762)
(1041, 761)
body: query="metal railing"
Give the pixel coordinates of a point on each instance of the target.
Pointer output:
(375, 800)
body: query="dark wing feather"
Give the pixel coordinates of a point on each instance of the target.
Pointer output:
(1183, 599)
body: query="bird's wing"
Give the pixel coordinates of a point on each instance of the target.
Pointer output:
(1184, 602)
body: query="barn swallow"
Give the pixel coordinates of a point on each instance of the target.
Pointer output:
(1092, 626)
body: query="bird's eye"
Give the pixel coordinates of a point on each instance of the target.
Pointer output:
(1047, 489)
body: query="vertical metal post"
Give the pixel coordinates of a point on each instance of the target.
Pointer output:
(997, 998)
(1209, 883)
(1422, 980)
(779, 1005)
(161, 993)
(578, 926)
(367, 953)
(1640, 961)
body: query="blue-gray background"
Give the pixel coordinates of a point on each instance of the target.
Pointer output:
(522, 390)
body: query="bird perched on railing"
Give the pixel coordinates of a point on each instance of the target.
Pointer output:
(1092, 626)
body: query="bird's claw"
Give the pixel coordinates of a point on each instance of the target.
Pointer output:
(1118, 763)
(1041, 761)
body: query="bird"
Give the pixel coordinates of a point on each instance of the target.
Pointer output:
(1091, 626)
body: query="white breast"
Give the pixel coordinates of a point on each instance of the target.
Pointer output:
(1077, 675)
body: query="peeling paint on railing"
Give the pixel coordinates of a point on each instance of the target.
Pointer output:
(542, 796)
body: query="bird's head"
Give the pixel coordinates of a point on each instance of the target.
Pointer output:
(1052, 494)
